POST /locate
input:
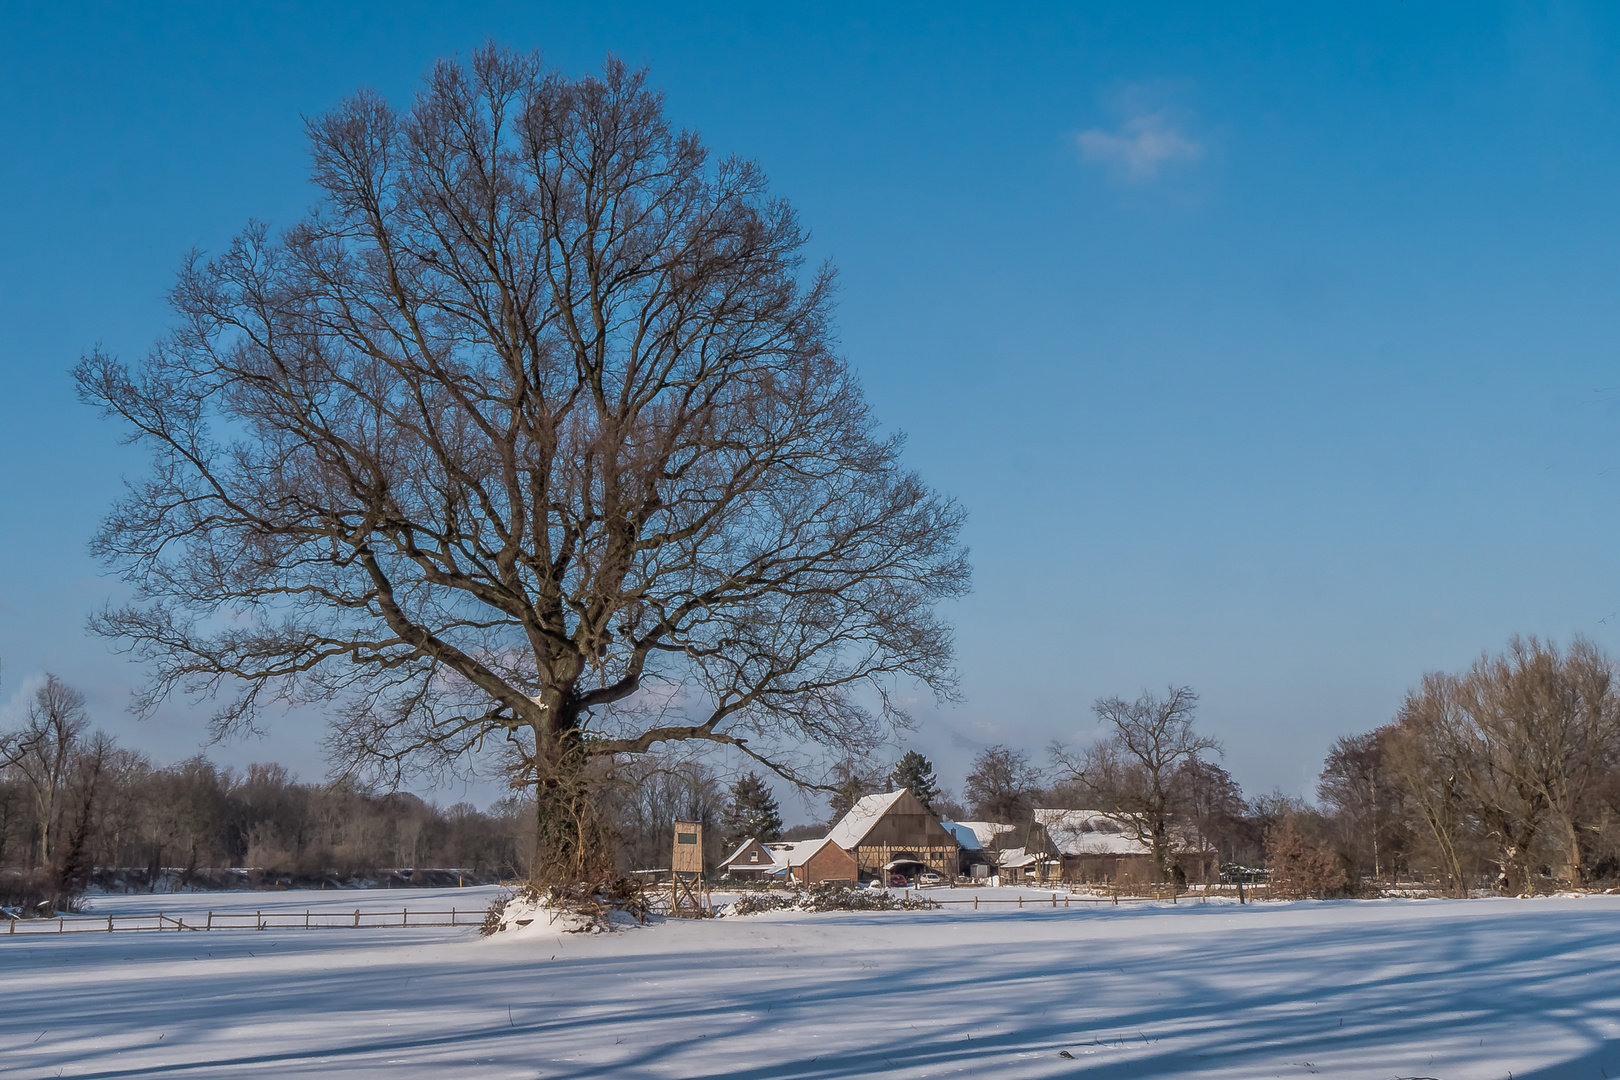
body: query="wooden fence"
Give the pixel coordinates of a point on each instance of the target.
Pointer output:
(243, 920)
(1073, 899)
(377, 920)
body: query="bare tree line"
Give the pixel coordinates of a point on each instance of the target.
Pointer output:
(1503, 776)
(1507, 773)
(76, 808)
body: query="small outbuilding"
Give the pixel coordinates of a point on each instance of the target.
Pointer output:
(811, 862)
(981, 841)
(751, 860)
(808, 862)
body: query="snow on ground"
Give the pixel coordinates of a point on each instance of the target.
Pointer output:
(1368, 990)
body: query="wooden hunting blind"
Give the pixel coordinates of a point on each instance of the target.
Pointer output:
(688, 857)
(686, 871)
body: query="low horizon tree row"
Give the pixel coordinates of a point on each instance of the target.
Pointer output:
(1505, 775)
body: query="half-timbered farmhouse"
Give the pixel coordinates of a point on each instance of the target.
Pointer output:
(894, 833)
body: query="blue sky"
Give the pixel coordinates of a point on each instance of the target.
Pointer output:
(1272, 349)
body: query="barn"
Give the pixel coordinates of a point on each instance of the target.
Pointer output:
(895, 834)
(808, 862)
(1091, 847)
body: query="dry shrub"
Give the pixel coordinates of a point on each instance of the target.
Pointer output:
(1302, 868)
(37, 894)
(832, 898)
(587, 906)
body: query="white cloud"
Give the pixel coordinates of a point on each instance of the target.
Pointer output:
(1145, 143)
(14, 710)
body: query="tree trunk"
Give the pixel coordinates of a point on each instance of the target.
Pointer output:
(570, 840)
(1574, 867)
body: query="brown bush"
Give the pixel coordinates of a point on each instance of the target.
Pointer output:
(1301, 867)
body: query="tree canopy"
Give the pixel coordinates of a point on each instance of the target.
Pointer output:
(533, 430)
(751, 812)
(915, 773)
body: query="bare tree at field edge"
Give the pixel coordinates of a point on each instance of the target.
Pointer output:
(533, 432)
(1131, 775)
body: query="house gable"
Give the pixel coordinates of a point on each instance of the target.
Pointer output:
(892, 827)
(752, 855)
(828, 862)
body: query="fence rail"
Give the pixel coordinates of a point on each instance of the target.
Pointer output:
(242, 920)
(1056, 898)
(360, 919)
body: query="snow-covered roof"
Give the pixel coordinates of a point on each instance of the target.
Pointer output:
(796, 852)
(780, 854)
(853, 826)
(1087, 832)
(977, 835)
(1091, 832)
(1011, 858)
(964, 835)
(770, 857)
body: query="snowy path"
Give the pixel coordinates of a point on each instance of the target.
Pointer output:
(1368, 990)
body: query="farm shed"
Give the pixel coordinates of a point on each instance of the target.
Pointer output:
(806, 861)
(896, 833)
(1092, 847)
(812, 861)
(980, 841)
(751, 860)
(1020, 866)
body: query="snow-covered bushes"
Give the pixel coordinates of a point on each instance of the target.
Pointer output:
(576, 909)
(829, 898)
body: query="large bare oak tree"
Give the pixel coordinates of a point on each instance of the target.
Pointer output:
(533, 430)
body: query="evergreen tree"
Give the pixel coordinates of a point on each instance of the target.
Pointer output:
(751, 813)
(915, 773)
(852, 781)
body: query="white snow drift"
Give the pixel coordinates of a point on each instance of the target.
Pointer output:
(1456, 990)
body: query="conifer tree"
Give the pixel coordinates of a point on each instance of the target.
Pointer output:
(915, 773)
(752, 813)
(852, 782)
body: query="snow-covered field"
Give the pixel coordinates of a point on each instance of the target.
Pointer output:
(1454, 990)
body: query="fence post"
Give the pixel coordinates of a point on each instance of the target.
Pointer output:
(975, 902)
(160, 920)
(1020, 899)
(109, 924)
(258, 920)
(1054, 899)
(452, 916)
(210, 920)
(404, 915)
(357, 918)
(61, 924)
